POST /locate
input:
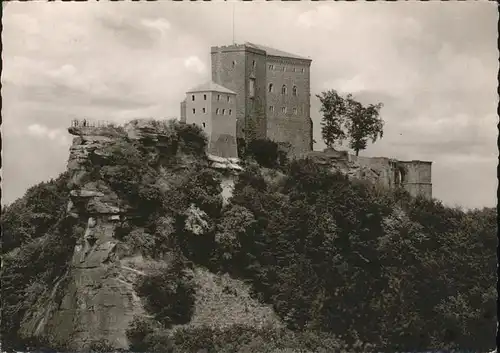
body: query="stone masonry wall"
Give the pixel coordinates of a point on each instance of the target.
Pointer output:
(287, 125)
(232, 67)
(223, 136)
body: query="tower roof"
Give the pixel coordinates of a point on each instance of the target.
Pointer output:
(275, 52)
(210, 86)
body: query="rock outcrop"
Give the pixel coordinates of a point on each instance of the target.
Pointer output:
(95, 299)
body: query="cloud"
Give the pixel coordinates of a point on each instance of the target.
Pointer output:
(42, 131)
(433, 66)
(195, 64)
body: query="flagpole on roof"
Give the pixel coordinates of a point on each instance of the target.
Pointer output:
(233, 21)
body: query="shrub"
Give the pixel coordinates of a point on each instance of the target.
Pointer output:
(264, 151)
(169, 294)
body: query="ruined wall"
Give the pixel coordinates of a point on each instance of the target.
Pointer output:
(418, 178)
(414, 176)
(288, 112)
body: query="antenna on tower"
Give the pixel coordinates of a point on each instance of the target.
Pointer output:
(233, 22)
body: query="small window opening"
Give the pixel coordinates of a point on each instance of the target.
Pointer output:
(254, 64)
(223, 111)
(294, 90)
(194, 111)
(271, 87)
(252, 87)
(295, 111)
(228, 99)
(204, 110)
(271, 108)
(217, 111)
(205, 97)
(203, 124)
(283, 109)
(192, 97)
(283, 89)
(230, 112)
(218, 97)
(234, 64)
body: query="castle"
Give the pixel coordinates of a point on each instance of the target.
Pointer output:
(255, 92)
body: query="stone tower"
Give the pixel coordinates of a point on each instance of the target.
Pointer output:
(272, 93)
(242, 69)
(213, 108)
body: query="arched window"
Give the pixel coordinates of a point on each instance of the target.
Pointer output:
(271, 87)
(294, 90)
(283, 89)
(223, 111)
(217, 111)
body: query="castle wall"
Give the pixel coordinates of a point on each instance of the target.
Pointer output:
(223, 136)
(414, 176)
(288, 113)
(194, 110)
(233, 67)
(418, 178)
(183, 111)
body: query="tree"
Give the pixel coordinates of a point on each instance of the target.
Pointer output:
(345, 118)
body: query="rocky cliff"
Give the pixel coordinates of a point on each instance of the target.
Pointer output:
(95, 299)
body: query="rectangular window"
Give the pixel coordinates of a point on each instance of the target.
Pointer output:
(217, 111)
(205, 97)
(203, 124)
(218, 97)
(252, 87)
(271, 108)
(192, 97)
(283, 109)
(204, 110)
(228, 99)
(194, 111)
(230, 112)
(223, 111)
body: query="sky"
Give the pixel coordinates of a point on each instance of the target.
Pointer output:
(432, 64)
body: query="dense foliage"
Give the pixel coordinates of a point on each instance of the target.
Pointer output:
(341, 261)
(236, 339)
(346, 118)
(31, 216)
(342, 257)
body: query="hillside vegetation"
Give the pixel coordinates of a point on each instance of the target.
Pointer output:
(345, 265)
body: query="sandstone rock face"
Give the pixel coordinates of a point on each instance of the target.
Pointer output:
(95, 299)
